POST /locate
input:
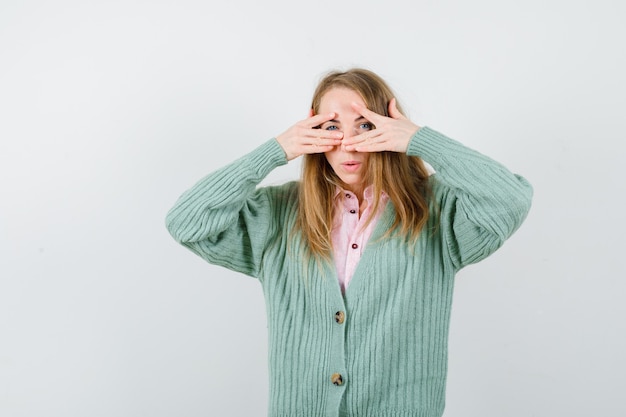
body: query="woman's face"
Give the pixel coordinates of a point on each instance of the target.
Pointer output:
(350, 167)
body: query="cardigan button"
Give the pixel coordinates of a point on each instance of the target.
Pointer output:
(340, 317)
(336, 379)
(353, 211)
(355, 246)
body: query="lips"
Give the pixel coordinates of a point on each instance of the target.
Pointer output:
(351, 165)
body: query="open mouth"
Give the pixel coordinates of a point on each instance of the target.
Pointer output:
(351, 165)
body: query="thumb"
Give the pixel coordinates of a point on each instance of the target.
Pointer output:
(394, 113)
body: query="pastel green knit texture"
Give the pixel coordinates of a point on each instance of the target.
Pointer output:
(391, 349)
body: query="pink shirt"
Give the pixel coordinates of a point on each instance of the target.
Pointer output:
(348, 236)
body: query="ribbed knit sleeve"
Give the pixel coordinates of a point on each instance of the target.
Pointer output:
(481, 202)
(224, 218)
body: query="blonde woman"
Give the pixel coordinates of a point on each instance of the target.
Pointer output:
(357, 259)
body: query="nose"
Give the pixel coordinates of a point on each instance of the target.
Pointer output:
(350, 132)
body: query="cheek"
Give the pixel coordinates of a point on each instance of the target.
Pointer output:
(334, 162)
(330, 157)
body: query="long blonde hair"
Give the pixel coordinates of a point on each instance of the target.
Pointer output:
(404, 178)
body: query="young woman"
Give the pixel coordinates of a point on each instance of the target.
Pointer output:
(357, 260)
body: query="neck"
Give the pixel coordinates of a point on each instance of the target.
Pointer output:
(358, 190)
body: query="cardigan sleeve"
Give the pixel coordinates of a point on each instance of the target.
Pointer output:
(224, 218)
(481, 203)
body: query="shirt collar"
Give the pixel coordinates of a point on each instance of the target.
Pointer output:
(368, 194)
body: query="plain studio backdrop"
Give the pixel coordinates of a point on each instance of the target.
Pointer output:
(110, 110)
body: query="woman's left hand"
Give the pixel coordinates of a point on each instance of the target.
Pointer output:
(391, 133)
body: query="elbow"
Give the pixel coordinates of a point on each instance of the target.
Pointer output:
(519, 205)
(525, 198)
(174, 227)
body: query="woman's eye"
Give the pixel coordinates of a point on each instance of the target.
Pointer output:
(331, 127)
(366, 126)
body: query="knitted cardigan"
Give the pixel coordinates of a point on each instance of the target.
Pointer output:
(380, 349)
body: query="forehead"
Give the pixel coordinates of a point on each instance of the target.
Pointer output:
(339, 100)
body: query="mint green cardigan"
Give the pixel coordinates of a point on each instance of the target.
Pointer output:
(380, 349)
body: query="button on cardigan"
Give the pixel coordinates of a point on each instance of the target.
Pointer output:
(388, 356)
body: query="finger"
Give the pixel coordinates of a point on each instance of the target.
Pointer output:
(372, 147)
(393, 110)
(309, 149)
(320, 137)
(367, 113)
(326, 142)
(311, 113)
(367, 138)
(372, 142)
(363, 137)
(316, 134)
(318, 119)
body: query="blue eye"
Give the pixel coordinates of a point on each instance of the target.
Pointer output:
(366, 126)
(331, 127)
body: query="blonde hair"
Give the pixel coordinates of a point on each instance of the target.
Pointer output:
(404, 178)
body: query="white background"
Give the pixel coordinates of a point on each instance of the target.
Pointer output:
(110, 110)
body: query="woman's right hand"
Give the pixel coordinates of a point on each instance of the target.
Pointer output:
(304, 137)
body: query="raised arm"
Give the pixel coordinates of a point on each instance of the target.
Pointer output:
(481, 202)
(225, 218)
